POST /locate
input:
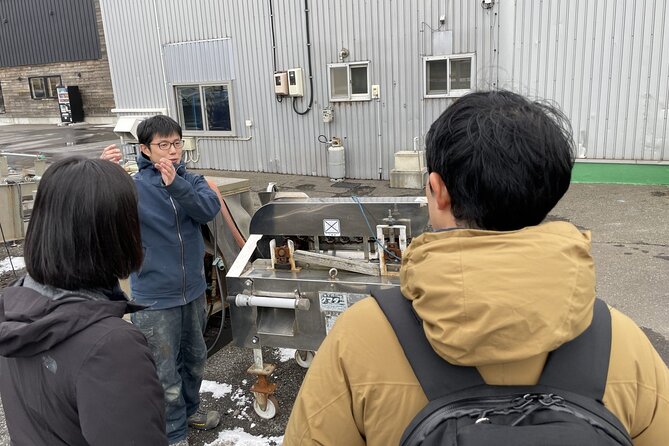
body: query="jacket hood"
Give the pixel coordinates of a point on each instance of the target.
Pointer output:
(32, 322)
(488, 297)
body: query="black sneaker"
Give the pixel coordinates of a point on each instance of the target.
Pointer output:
(204, 420)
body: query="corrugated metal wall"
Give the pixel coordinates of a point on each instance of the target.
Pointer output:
(606, 63)
(199, 61)
(601, 60)
(34, 32)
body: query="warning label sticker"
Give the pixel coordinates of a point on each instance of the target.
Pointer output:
(331, 227)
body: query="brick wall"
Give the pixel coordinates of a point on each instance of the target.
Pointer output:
(92, 77)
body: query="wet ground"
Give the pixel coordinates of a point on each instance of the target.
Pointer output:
(52, 141)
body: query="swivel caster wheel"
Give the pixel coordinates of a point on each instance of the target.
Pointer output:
(304, 358)
(271, 408)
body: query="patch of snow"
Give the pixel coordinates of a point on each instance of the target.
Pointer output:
(241, 397)
(18, 263)
(237, 437)
(286, 354)
(218, 390)
(244, 401)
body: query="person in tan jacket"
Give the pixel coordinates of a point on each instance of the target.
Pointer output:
(495, 287)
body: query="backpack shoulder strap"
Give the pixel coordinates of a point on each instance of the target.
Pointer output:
(579, 366)
(436, 376)
(582, 364)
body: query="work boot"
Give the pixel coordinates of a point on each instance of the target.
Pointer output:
(204, 419)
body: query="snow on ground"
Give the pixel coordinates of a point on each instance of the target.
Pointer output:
(244, 401)
(217, 390)
(286, 354)
(238, 437)
(6, 266)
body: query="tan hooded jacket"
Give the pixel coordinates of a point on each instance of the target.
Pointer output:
(495, 300)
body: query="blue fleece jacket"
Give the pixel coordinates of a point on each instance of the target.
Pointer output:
(172, 273)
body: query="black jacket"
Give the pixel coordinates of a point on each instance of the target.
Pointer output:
(72, 372)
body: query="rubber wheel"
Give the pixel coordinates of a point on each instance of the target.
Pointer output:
(304, 358)
(271, 409)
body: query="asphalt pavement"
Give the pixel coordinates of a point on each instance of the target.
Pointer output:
(630, 232)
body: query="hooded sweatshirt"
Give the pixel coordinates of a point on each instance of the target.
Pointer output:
(72, 372)
(172, 273)
(497, 301)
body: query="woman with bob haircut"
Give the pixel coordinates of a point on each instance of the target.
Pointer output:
(72, 371)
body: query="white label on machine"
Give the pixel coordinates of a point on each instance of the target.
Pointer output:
(331, 227)
(333, 301)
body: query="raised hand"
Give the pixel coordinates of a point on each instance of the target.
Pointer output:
(167, 170)
(111, 153)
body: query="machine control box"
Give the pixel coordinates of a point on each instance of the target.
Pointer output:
(295, 82)
(281, 83)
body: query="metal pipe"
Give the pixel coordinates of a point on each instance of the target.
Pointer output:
(289, 295)
(246, 300)
(162, 111)
(21, 154)
(379, 136)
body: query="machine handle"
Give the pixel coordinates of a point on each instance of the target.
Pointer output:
(249, 300)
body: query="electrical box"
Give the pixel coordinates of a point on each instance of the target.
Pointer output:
(328, 114)
(376, 92)
(295, 82)
(281, 83)
(189, 143)
(126, 128)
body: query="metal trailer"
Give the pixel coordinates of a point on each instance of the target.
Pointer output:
(305, 262)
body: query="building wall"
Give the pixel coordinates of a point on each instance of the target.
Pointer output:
(606, 63)
(92, 77)
(568, 52)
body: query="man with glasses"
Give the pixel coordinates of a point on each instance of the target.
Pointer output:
(173, 203)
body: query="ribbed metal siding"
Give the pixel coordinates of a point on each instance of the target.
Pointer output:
(606, 63)
(34, 32)
(199, 61)
(388, 34)
(560, 50)
(134, 54)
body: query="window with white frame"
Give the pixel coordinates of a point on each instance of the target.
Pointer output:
(205, 108)
(448, 76)
(349, 81)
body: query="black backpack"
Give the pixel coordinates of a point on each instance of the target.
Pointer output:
(565, 408)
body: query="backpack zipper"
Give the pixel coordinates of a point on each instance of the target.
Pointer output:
(550, 401)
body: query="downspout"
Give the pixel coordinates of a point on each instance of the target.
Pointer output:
(162, 60)
(378, 127)
(421, 84)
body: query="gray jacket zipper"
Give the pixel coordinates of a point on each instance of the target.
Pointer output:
(181, 243)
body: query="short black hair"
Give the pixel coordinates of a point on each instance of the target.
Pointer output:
(84, 229)
(159, 125)
(505, 160)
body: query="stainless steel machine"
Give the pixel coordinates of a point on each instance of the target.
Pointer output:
(307, 260)
(17, 194)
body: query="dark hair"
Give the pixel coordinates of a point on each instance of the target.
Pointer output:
(159, 125)
(505, 160)
(84, 229)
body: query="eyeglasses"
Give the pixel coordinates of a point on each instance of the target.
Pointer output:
(165, 145)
